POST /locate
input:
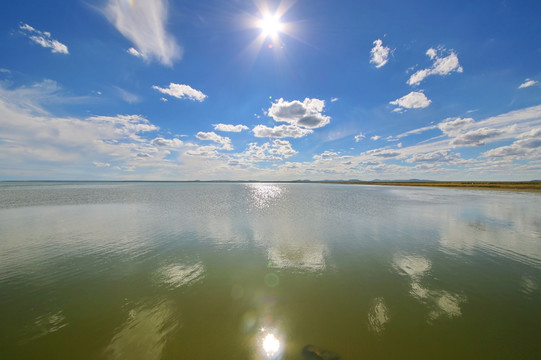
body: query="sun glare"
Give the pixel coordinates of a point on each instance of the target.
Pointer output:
(270, 25)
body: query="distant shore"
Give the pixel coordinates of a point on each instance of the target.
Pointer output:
(503, 185)
(494, 185)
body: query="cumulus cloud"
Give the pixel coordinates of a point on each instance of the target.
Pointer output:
(326, 155)
(528, 146)
(212, 136)
(32, 138)
(379, 54)
(454, 126)
(167, 143)
(475, 137)
(44, 39)
(144, 25)
(306, 114)
(443, 65)
(527, 83)
(444, 156)
(384, 153)
(275, 151)
(359, 137)
(375, 137)
(413, 100)
(282, 148)
(230, 128)
(181, 91)
(282, 131)
(210, 151)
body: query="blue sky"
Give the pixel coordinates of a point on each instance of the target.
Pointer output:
(270, 90)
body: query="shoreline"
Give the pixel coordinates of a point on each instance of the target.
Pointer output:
(494, 185)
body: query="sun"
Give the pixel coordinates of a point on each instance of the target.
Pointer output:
(270, 25)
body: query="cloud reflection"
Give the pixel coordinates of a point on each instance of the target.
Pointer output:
(49, 323)
(302, 257)
(378, 316)
(177, 275)
(440, 303)
(144, 334)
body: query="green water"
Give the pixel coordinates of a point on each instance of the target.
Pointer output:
(258, 271)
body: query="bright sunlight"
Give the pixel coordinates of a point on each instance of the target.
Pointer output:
(271, 25)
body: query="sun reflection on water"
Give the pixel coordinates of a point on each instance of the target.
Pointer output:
(270, 344)
(262, 195)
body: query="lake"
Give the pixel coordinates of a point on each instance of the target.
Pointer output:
(261, 270)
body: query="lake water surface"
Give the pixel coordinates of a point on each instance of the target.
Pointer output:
(260, 270)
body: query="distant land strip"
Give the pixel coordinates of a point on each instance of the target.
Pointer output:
(504, 185)
(533, 185)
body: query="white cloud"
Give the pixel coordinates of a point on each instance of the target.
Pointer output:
(167, 143)
(326, 155)
(281, 131)
(413, 100)
(413, 132)
(134, 52)
(475, 137)
(527, 83)
(441, 66)
(380, 54)
(181, 92)
(453, 126)
(334, 99)
(444, 156)
(44, 39)
(306, 114)
(212, 136)
(230, 128)
(375, 137)
(528, 146)
(282, 148)
(384, 153)
(359, 137)
(204, 151)
(143, 24)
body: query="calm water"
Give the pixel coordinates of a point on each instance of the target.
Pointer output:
(258, 271)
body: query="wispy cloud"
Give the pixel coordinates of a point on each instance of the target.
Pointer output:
(127, 96)
(527, 83)
(134, 52)
(143, 23)
(443, 65)
(379, 54)
(44, 39)
(181, 91)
